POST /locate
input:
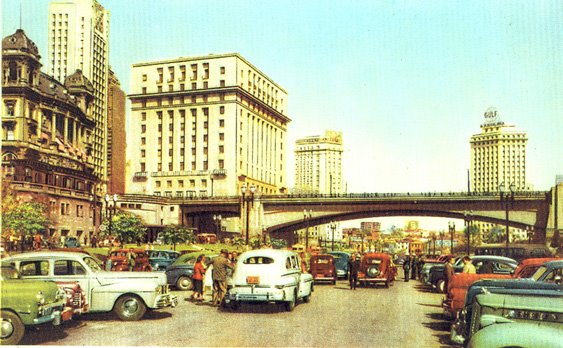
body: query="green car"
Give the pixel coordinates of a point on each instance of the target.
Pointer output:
(27, 302)
(517, 335)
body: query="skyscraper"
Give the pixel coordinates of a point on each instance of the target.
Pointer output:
(116, 136)
(79, 40)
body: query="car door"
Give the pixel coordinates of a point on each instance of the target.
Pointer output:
(70, 270)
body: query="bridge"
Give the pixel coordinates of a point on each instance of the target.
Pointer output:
(280, 215)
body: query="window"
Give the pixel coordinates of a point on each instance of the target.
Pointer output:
(144, 90)
(222, 83)
(157, 184)
(144, 77)
(222, 70)
(143, 116)
(143, 153)
(143, 128)
(205, 84)
(221, 149)
(221, 136)
(221, 164)
(68, 267)
(143, 141)
(221, 110)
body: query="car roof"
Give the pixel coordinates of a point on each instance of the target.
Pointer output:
(378, 255)
(493, 258)
(554, 263)
(48, 255)
(273, 253)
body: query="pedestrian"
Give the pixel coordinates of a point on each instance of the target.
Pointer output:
(303, 263)
(414, 267)
(353, 267)
(407, 266)
(448, 271)
(468, 265)
(420, 264)
(219, 276)
(197, 277)
(94, 242)
(131, 259)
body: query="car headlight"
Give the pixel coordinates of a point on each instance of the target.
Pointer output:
(40, 298)
(61, 294)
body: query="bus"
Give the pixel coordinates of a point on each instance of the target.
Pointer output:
(517, 252)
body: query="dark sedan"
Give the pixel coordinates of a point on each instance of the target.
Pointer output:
(180, 272)
(161, 259)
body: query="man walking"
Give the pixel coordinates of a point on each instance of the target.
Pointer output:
(407, 267)
(448, 272)
(219, 276)
(353, 267)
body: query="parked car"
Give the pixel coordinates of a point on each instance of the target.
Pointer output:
(27, 303)
(71, 242)
(127, 294)
(461, 328)
(499, 309)
(120, 260)
(517, 252)
(322, 268)
(428, 262)
(161, 259)
(376, 268)
(269, 275)
(517, 335)
(528, 267)
(500, 265)
(179, 273)
(341, 259)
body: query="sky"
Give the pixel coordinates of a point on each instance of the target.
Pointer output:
(406, 82)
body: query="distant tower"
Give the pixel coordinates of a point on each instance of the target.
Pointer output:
(79, 39)
(116, 136)
(498, 155)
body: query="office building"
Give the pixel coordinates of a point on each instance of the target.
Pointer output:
(205, 126)
(79, 39)
(116, 136)
(47, 128)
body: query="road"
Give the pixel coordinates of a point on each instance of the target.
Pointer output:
(405, 315)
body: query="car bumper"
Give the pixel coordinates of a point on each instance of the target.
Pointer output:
(341, 274)
(248, 294)
(373, 280)
(320, 277)
(54, 317)
(166, 300)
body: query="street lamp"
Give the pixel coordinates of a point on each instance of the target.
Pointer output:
(434, 243)
(307, 217)
(467, 215)
(111, 206)
(217, 220)
(247, 200)
(451, 227)
(508, 199)
(442, 233)
(333, 227)
(530, 233)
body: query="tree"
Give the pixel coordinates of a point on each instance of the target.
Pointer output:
(25, 219)
(177, 234)
(278, 243)
(125, 226)
(494, 235)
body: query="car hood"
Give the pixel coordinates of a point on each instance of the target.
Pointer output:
(105, 277)
(29, 287)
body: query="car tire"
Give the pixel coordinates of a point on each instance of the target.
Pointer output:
(440, 286)
(290, 305)
(129, 308)
(234, 305)
(184, 283)
(12, 328)
(387, 283)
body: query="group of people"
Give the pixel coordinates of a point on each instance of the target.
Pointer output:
(412, 266)
(220, 266)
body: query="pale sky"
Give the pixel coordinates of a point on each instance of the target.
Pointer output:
(407, 82)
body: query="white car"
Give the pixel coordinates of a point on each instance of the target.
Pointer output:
(269, 275)
(127, 294)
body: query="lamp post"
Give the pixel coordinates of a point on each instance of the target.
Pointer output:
(530, 233)
(451, 228)
(217, 220)
(333, 227)
(111, 206)
(508, 199)
(467, 215)
(246, 200)
(307, 217)
(434, 243)
(442, 234)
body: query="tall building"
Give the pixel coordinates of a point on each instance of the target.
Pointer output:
(205, 126)
(318, 163)
(318, 169)
(498, 158)
(116, 136)
(79, 39)
(498, 155)
(46, 140)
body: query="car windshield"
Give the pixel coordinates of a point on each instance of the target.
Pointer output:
(539, 273)
(258, 260)
(91, 262)
(9, 273)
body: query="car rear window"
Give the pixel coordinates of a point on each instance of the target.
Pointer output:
(258, 260)
(322, 260)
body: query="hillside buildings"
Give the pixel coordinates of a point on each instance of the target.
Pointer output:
(47, 130)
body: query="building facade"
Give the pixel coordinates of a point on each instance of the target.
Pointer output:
(79, 39)
(498, 159)
(47, 129)
(116, 136)
(205, 126)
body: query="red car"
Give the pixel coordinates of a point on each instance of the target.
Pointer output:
(322, 268)
(376, 268)
(120, 260)
(528, 267)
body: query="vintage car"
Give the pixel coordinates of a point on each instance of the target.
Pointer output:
(500, 309)
(127, 294)
(27, 303)
(428, 263)
(179, 273)
(322, 268)
(71, 242)
(376, 268)
(528, 267)
(269, 275)
(161, 259)
(461, 328)
(517, 335)
(120, 260)
(341, 259)
(500, 265)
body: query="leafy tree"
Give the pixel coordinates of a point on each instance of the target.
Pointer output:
(177, 234)
(25, 219)
(494, 235)
(125, 226)
(278, 243)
